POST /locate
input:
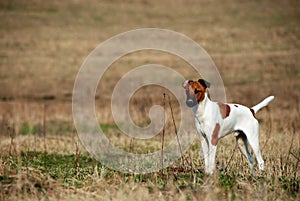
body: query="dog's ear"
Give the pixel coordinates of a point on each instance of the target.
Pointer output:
(204, 83)
(185, 84)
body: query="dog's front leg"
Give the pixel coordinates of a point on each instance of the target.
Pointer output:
(205, 148)
(209, 154)
(211, 158)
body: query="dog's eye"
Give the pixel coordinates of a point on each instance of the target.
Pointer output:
(197, 91)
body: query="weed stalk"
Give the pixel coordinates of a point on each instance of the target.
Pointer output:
(183, 159)
(12, 135)
(163, 135)
(44, 127)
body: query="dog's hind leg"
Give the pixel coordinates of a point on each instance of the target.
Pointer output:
(253, 139)
(242, 143)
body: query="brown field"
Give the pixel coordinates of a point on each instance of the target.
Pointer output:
(255, 45)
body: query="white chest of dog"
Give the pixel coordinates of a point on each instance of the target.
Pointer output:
(215, 120)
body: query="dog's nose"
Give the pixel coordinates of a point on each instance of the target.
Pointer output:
(190, 103)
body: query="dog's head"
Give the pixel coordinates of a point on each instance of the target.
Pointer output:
(195, 91)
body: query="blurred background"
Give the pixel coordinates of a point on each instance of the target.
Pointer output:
(254, 44)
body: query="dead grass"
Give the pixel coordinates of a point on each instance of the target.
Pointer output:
(255, 46)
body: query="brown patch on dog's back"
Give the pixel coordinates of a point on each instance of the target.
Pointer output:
(215, 135)
(224, 110)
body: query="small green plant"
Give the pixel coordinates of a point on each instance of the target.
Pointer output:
(106, 127)
(37, 129)
(226, 180)
(25, 128)
(291, 184)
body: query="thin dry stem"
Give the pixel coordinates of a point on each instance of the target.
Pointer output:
(163, 135)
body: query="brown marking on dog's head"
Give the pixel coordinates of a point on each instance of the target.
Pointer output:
(224, 110)
(195, 91)
(215, 135)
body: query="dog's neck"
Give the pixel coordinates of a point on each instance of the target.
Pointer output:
(200, 107)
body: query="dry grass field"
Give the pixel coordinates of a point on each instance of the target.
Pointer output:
(254, 44)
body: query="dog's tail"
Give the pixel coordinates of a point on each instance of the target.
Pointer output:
(262, 104)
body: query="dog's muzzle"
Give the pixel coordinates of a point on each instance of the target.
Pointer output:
(191, 102)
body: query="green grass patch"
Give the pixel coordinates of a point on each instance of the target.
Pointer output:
(72, 169)
(291, 184)
(107, 127)
(55, 126)
(78, 170)
(25, 128)
(227, 180)
(52, 127)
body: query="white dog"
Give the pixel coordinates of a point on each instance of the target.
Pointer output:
(215, 120)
